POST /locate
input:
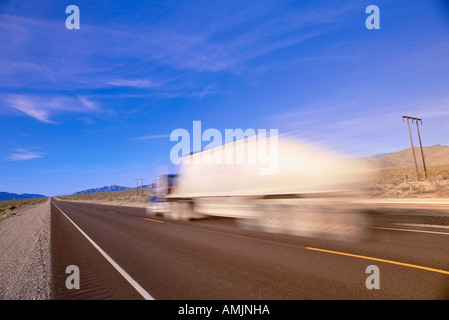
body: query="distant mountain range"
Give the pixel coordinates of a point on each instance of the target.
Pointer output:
(108, 189)
(434, 156)
(103, 189)
(14, 196)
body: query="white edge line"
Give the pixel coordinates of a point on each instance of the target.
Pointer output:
(125, 275)
(411, 230)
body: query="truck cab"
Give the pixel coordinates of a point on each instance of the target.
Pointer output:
(161, 189)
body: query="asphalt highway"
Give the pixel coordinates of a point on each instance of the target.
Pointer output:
(122, 253)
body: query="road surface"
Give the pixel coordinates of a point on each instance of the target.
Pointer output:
(122, 253)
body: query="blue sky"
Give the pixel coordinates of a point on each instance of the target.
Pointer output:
(95, 106)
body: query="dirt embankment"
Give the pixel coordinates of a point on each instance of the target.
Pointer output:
(403, 183)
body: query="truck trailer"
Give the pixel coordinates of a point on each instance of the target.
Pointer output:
(275, 185)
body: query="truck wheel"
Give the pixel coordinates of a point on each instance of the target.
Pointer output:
(326, 222)
(172, 212)
(180, 210)
(186, 211)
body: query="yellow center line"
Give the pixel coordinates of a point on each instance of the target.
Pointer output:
(381, 260)
(111, 211)
(154, 220)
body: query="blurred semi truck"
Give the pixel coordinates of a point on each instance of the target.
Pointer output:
(275, 185)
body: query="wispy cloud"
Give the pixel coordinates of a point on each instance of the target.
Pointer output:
(89, 104)
(23, 154)
(214, 49)
(29, 108)
(150, 137)
(134, 83)
(358, 131)
(142, 61)
(42, 108)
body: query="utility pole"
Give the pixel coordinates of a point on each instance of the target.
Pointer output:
(420, 145)
(141, 186)
(413, 148)
(137, 188)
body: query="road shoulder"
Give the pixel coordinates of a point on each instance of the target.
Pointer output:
(25, 263)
